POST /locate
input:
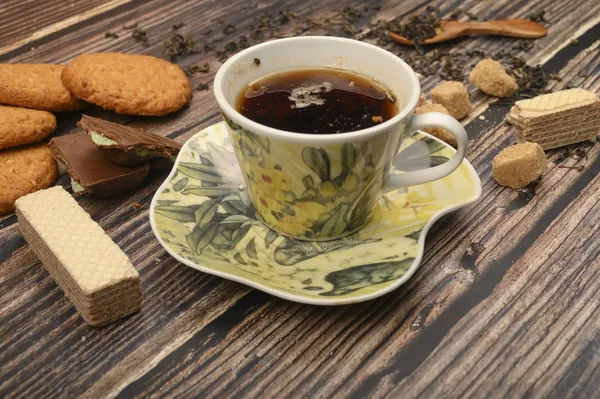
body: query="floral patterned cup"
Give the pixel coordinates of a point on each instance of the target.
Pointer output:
(323, 187)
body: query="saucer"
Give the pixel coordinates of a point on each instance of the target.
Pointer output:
(203, 217)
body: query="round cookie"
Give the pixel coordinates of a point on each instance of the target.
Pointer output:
(24, 170)
(37, 86)
(128, 84)
(20, 126)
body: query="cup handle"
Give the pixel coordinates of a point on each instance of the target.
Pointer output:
(431, 119)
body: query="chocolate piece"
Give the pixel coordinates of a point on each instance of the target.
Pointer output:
(91, 170)
(128, 146)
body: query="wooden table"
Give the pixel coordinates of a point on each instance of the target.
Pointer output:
(505, 304)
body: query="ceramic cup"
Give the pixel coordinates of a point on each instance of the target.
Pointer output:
(321, 187)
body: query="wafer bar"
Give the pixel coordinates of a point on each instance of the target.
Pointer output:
(557, 119)
(89, 267)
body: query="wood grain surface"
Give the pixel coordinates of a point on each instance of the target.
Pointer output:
(506, 302)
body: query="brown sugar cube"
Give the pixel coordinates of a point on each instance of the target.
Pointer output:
(490, 77)
(440, 133)
(454, 97)
(519, 165)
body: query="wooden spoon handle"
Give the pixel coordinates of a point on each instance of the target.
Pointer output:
(507, 27)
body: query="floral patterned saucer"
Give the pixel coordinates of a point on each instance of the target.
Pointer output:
(203, 217)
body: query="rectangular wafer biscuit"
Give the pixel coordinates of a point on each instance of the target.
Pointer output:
(557, 119)
(83, 260)
(586, 113)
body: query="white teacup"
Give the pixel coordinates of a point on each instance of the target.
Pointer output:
(322, 187)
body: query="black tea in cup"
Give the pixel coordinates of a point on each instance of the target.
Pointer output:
(317, 101)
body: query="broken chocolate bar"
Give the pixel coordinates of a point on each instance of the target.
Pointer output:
(91, 171)
(128, 146)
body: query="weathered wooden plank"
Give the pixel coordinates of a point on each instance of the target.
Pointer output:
(25, 21)
(540, 316)
(203, 336)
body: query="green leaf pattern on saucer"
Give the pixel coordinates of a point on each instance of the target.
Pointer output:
(203, 216)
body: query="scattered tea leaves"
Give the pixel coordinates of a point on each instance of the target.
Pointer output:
(456, 14)
(523, 45)
(257, 61)
(577, 168)
(476, 53)
(474, 249)
(342, 23)
(178, 45)
(140, 36)
(581, 152)
(453, 67)
(526, 194)
(284, 17)
(111, 35)
(204, 86)
(351, 22)
(230, 48)
(229, 29)
(562, 156)
(532, 81)
(177, 25)
(198, 69)
(538, 16)
(417, 28)
(420, 27)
